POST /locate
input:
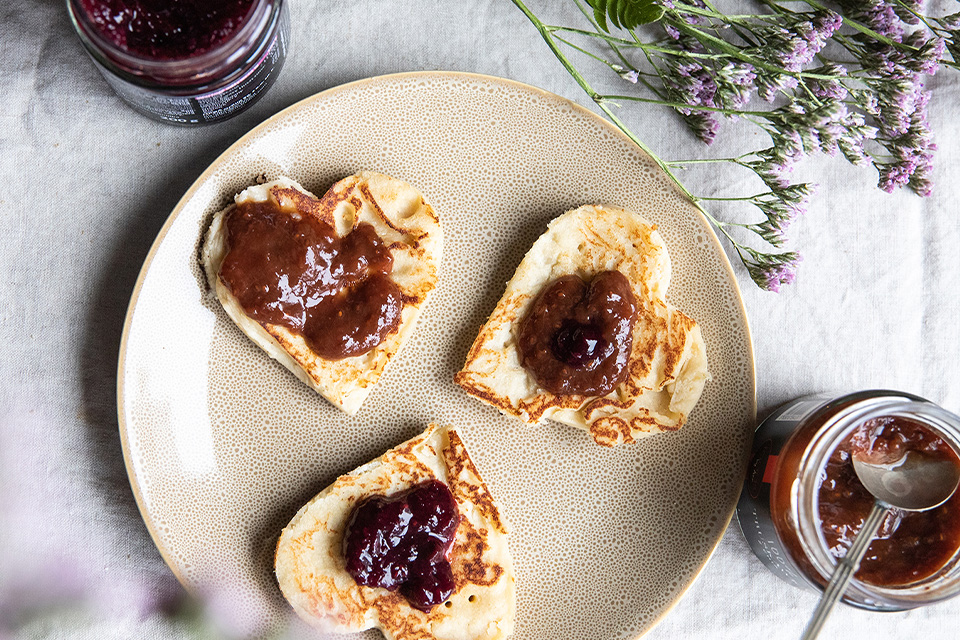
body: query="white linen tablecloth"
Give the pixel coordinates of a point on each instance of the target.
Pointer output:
(86, 183)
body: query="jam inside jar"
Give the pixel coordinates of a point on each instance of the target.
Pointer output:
(910, 545)
(802, 503)
(165, 29)
(185, 62)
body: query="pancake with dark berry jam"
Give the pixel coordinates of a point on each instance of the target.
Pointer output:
(411, 543)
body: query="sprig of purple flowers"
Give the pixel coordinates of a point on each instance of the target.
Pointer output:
(847, 79)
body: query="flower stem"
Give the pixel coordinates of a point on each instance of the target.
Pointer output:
(733, 51)
(919, 16)
(711, 12)
(683, 163)
(585, 52)
(735, 199)
(548, 38)
(592, 34)
(682, 105)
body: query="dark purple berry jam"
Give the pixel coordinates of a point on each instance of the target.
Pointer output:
(577, 344)
(168, 29)
(402, 542)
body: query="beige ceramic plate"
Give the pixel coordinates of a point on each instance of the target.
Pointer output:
(223, 445)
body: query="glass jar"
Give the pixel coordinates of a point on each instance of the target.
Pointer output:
(199, 87)
(778, 510)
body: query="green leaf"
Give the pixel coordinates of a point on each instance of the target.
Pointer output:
(625, 14)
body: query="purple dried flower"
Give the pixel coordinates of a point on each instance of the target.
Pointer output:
(829, 89)
(891, 61)
(704, 124)
(802, 127)
(951, 22)
(690, 82)
(853, 138)
(879, 15)
(827, 23)
(898, 99)
(739, 73)
(692, 18)
(926, 59)
(894, 175)
(829, 123)
(866, 100)
(884, 60)
(817, 31)
(795, 45)
(779, 275)
(771, 232)
(919, 116)
(771, 271)
(770, 84)
(795, 52)
(771, 168)
(912, 150)
(906, 10)
(788, 145)
(920, 180)
(693, 84)
(772, 165)
(735, 84)
(780, 207)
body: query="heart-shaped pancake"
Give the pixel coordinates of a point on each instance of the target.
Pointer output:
(666, 368)
(330, 287)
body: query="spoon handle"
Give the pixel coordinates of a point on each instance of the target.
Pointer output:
(844, 571)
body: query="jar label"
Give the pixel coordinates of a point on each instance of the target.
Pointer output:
(753, 509)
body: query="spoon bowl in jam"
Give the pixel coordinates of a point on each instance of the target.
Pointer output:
(898, 476)
(915, 482)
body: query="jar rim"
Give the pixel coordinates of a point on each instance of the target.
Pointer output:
(194, 70)
(805, 499)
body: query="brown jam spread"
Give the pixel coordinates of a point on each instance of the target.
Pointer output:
(910, 545)
(292, 269)
(576, 338)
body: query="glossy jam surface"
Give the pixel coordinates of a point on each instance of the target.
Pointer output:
(294, 270)
(576, 338)
(909, 546)
(167, 29)
(403, 542)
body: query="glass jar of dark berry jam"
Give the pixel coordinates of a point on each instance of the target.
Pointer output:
(802, 503)
(185, 61)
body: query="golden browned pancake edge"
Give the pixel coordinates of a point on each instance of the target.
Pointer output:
(668, 364)
(310, 567)
(407, 225)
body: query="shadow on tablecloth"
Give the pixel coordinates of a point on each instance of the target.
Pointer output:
(163, 186)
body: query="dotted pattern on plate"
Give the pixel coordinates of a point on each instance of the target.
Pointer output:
(225, 445)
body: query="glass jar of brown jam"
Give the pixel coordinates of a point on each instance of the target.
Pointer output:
(188, 62)
(802, 503)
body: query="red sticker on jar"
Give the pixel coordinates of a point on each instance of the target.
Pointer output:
(756, 472)
(769, 469)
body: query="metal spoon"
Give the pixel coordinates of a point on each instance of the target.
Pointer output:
(915, 482)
